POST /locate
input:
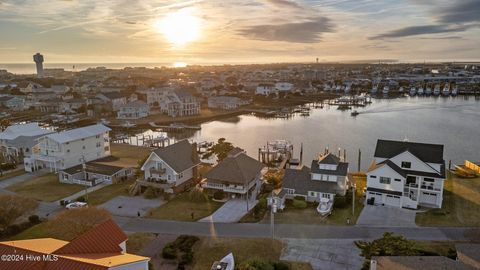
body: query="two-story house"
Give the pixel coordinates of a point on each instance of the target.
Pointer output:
(61, 150)
(133, 110)
(406, 174)
(114, 99)
(180, 103)
(236, 175)
(327, 177)
(174, 167)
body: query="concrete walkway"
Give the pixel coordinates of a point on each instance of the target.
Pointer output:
(323, 254)
(231, 211)
(386, 216)
(301, 231)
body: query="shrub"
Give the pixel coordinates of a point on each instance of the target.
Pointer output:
(218, 195)
(299, 204)
(196, 195)
(34, 219)
(299, 198)
(256, 264)
(260, 209)
(150, 193)
(169, 252)
(187, 258)
(281, 266)
(340, 202)
(13, 229)
(185, 242)
(81, 199)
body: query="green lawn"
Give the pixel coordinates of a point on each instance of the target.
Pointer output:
(37, 231)
(461, 204)
(45, 188)
(137, 241)
(12, 174)
(180, 208)
(309, 215)
(109, 192)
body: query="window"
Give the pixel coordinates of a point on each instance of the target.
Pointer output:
(83, 147)
(98, 136)
(398, 180)
(373, 176)
(385, 180)
(106, 148)
(431, 180)
(326, 195)
(312, 193)
(411, 180)
(406, 164)
(68, 150)
(290, 191)
(98, 144)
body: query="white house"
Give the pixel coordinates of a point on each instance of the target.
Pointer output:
(17, 140)
(175, 166)
(115, 99)
(58, 151)
(406, 174)
(226, 102)
(326, 178)
(180, 103)
(283, 87)
(265, 89)
(133, 110)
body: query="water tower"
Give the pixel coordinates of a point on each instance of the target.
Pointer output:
(38, 58)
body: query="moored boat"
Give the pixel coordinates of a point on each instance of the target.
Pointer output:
(413, 91)
(226, 263)
(325, 206)
(446, 90)
(436, 90)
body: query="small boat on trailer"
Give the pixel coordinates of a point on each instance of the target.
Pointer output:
(325, 206)
(227, 263)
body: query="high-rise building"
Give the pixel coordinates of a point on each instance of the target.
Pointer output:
(38, 58)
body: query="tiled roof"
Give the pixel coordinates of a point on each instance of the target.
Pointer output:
(178, 156)
(431, 153)
(239, 169)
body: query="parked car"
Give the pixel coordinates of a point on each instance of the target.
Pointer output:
(76, 205)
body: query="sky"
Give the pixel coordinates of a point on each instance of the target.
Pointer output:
(234, 31)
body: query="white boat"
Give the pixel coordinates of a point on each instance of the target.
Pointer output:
(374, 89)
(436, 90)
(325, 206)
(446, 90)
(413, 91)
(385, 90)
(347, 89)
(455, 90)
(127, 124)
(227, 263)
(428, 91)
(338, 88)
(400, 90)
(420, 91)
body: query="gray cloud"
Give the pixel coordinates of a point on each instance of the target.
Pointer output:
(420, 30)
(464, 11)
(284, 3)
(309, 31)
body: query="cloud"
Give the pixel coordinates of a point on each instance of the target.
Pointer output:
(284, 3)
(420, 30)
(309, 31)
(464, 11)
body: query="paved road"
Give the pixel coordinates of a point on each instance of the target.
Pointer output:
(292, 230)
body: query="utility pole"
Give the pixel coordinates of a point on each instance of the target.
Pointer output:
(273, 209)
(359, 159)
(353, 198)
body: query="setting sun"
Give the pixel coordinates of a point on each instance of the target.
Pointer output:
(179, 28)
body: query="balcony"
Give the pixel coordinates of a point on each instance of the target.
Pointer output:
(428, 187)
(156, 171)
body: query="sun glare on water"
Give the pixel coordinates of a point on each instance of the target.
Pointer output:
(179, 28)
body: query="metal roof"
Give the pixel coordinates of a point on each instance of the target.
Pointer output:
(78, 133)
(28, 129)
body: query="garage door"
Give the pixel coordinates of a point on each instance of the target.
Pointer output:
(377, 196)
(430, 198)
(392, 200)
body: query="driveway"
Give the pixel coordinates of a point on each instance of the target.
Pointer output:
(130, 206)
(325, 254)
(231, 211)
(386, 216)
(21, 178)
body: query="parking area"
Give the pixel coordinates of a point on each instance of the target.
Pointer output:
(130, 206)
(323, 254)
(386, 216)
(230, 212)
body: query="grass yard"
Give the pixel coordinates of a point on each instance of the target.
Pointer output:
(109, 192)
(461, 204)
(128, 155)
(12, 174)
(38, 231)
(309, 215)
(181, 207)
(45, 188)
(138, 241)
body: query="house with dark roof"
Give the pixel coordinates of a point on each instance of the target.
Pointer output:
(133, 110)
(237, 175)
(326, 178)
(101, 248)
(172, 168)
(115, 99)
(406, 174)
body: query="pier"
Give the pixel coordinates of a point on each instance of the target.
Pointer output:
(274, 151)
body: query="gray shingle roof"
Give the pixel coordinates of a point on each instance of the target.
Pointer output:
(237, 170)
(300, 180)
(432, 153)
(178, 156)
(329, 159)
(342, 168)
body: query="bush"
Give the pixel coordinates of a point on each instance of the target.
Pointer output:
(81, 199)
(150, 193)
(185, 242)
(187, 258)
(196, 195)
(256, 264)
(169, 252)
(299, 204)
(218, 195)
(281, 266)
(340, 202)
(299, 198)
(260, 209)
(34, 219)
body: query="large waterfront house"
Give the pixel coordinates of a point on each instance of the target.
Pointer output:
(265, 89)
(180, 103)
(406, 174)
(172, 168)
(226, 102)
(326, 178)
(133, 110)
(61, 150)
(236, 175)
(101, 248)
(17, 140)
